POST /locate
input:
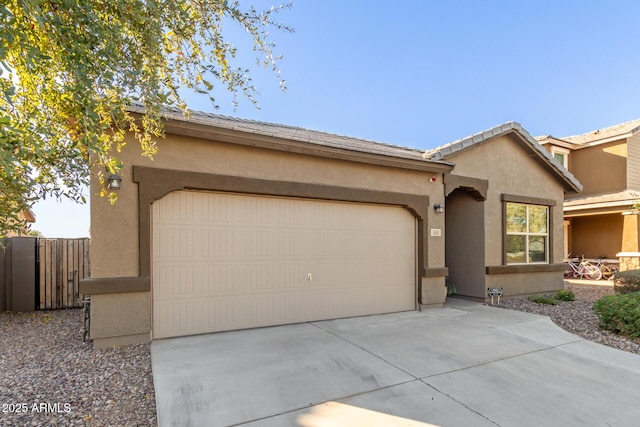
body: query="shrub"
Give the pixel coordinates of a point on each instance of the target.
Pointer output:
(565, 295)
(451, 287)
(542, 300)
(620, 313)
(625, 282)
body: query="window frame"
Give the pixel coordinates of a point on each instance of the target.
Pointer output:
(565, 155)
(549, 244)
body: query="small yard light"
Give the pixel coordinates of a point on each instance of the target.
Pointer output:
(438, 208)
(114, 182)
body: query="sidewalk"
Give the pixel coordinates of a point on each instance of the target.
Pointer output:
(588, 282)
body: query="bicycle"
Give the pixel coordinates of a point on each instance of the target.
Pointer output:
(607, 270)
(582, 269)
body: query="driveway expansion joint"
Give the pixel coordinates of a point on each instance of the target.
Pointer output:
(348, 396)
(489, 362)
(379, 357)
(464, 405)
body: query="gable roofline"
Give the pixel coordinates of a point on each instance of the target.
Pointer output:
(294, 139)
(527, 141)
(28, 215)
(557, 142)
(604, 135)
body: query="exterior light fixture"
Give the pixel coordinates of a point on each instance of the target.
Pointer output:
(114, 182)
(438, 208)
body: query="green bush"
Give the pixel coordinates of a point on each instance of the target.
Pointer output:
(451, 287)
(565, 295)
(542, 300)
(625, 282)
(620, 313)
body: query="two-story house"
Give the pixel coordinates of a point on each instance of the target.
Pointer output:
(601, 220)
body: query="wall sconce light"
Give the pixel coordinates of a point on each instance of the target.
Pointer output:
(438, 208)
(114, 182)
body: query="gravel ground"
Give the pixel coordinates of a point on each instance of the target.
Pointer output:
(577, 316)
(50, 377)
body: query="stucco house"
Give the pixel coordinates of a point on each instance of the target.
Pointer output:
(504, 213)
(601, 221)
(238, 224)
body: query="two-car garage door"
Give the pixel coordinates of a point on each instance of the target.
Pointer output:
(225, 261)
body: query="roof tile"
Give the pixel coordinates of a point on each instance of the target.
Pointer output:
(294, 133)
(604, 133)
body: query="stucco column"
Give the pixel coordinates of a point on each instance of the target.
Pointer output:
(630, 254)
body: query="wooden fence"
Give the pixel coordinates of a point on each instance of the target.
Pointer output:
(62, 264)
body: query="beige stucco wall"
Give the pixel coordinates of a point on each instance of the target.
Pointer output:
(114, 229)
(601, 168)
(603, 235)
(520, 284)
(434, 292)
(114, 317)
(510, 169)
(631, 233)
(121, 318)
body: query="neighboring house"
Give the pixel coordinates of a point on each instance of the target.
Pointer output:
(238, 224)
(28, 218)
(600, 221)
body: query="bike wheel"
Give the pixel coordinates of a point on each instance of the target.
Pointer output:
(607, 272)
(592, 272)
(568, 273)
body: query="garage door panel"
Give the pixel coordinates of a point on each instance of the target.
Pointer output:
(187, 281)
(229, 261)
(201, 242)
(214, 314)
(202, 245)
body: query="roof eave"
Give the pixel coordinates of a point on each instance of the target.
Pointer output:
(558, 143)
(605, 135)
(294, 140)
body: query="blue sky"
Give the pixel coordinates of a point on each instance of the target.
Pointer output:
(424, 73)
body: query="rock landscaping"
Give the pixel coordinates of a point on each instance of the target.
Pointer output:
(577, 316)
(50, 377)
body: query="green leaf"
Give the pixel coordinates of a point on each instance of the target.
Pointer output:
(68, 69)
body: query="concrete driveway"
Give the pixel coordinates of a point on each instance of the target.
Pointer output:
(464, 365)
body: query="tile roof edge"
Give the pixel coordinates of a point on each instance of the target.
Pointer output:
(295, 133)
(604, 130)
(476, 138)
(440, 153)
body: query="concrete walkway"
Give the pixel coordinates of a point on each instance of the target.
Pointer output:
(585, 282)
(464, 365)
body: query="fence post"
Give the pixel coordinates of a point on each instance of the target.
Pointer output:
(42, 294)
